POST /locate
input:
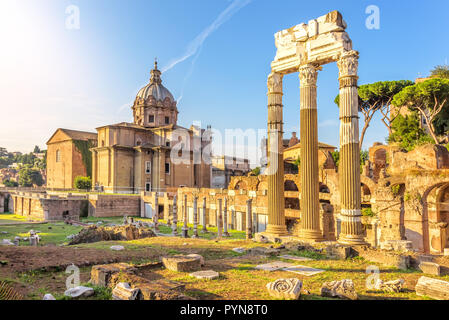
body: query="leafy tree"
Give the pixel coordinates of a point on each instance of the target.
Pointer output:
(336, 157)
(83, 183)
(36, 149)
(441, 71)
(10, 183)
(428, 98)
(377, 96)
(255, 171)
(29, 177)
(407, 132)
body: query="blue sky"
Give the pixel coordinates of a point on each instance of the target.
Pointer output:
(51, 77)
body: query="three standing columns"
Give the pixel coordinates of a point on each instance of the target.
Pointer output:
(310, 211)
(349, 168)
(275, 169)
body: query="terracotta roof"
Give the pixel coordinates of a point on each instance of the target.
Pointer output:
(79, 135)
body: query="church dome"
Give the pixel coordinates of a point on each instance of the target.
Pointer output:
(155, 87)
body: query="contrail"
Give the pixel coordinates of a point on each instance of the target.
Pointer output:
(197, 43)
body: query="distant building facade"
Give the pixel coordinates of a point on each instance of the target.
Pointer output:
(68, 156)
(225, 167)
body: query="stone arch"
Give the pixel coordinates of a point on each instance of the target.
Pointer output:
(290, 185)
(262, 185)
(435, 217)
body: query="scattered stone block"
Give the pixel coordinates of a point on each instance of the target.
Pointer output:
(260, 238)
(273, 266)
(194, 255)
(123, 291)
(285, 288)
(343, 289)
(182, 263)
(430, 268)
(101, 274)
(79, 292)
(264, 251)
(7, 242)
(239, 250)
(295, 258)
(303, 270)
(117, 248)
(433, 288)
(49, 296)
(208, 275)
(390, 286)
(339, 252)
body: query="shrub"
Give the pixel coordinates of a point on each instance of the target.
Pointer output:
(83, 183)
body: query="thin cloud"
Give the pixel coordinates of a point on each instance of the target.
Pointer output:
(197, 43)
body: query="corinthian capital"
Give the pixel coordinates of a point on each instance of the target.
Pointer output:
(348, 64)
(308, 75)
(274, 83)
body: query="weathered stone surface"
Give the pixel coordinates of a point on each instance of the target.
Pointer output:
(430, 268)
(303, 270)
(49, 296)
(390, 286)
(101, 274)
(285, 288)
(343, 289)
(79, 292)
(339, 252)
(123, 291)
(161, 289)
(126, 232)
(117, 248)
(433, 288)
(295, 258)
(208, 275)
(264, 251)
(7, 242)
(194, 255)
(181, 263)
(239, 250)
(273, 266)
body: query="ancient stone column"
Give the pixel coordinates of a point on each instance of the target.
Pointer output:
(204, 230)
(225, 218)
(219, 220)
(185, 228)
(349, 168)
(275, 169)
(174, 226)
(249, 223)
(156, 212)
(195, 217)
(310, 211)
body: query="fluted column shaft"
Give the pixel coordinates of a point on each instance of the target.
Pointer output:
(275, 170)
(349, 168)
(219, 219)
(175, 216)
(195, 217)
(204, 215)
(310, 212)
(249, 222)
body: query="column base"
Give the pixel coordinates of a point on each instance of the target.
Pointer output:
(276, 230)
(185, 233)
(310, 235)
(351, 240)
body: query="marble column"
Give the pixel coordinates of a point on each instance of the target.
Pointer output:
(349, 167)
(249, 223)
(219, 219)
(225, 218)
(174, 226)
(204, 216)
(185, 228)
(310, 211)
(195, 217)
(275, 169)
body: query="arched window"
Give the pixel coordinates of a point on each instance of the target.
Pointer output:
(58, 155)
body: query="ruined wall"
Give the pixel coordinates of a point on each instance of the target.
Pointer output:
(113, 205)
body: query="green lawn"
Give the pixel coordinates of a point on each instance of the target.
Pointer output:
(11, 218)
